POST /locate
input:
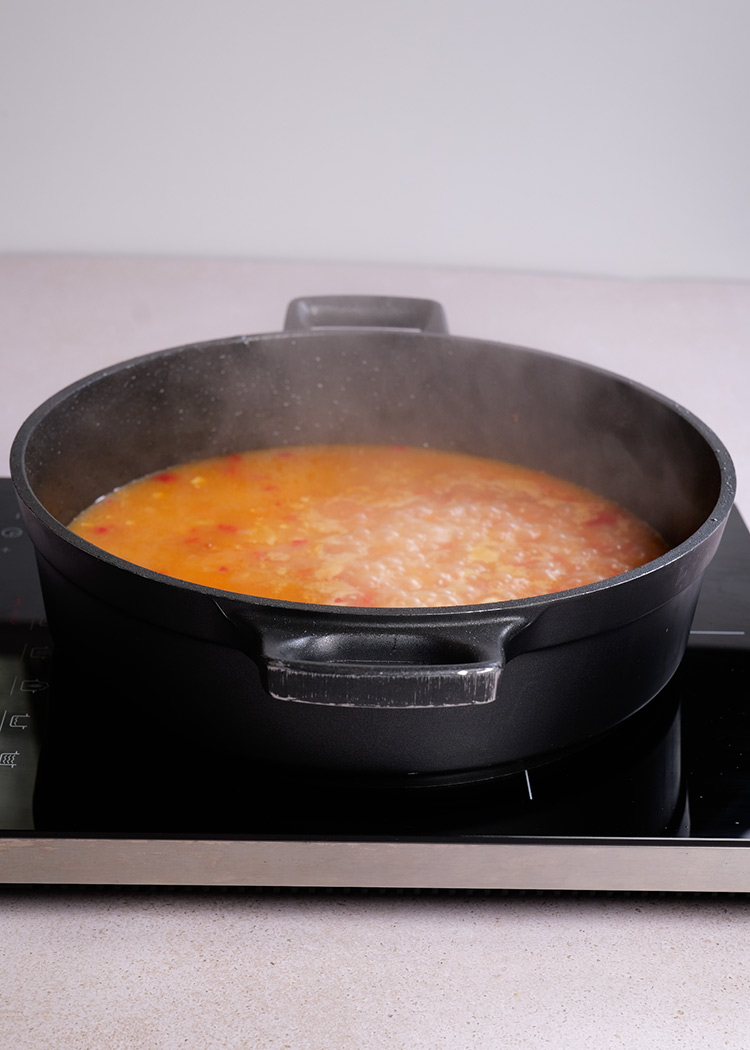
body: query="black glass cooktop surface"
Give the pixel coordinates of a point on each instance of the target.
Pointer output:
(95, 793)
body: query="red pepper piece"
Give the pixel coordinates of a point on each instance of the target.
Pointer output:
(605, 517)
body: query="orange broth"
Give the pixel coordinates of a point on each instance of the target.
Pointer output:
(368, 525)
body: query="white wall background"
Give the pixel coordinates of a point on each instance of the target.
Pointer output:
(574, 136)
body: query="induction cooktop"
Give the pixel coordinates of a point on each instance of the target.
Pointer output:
(92, 794)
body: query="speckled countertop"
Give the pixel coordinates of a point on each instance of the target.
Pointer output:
(121, 968)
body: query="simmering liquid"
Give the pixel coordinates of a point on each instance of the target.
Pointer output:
(363, 525)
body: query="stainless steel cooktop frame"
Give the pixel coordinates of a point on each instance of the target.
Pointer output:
(615, 865)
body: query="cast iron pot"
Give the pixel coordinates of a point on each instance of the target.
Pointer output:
(461, 691)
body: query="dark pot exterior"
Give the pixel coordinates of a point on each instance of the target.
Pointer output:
(380, 691)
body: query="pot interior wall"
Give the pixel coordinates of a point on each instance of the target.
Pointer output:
(376, 387)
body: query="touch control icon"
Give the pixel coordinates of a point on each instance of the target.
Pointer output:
(19, 720)
(28, 685)
(32, 685)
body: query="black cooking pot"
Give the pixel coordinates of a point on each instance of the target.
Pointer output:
(457, 691)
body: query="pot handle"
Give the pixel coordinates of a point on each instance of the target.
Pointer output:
(373, 686)
(365, 311)
(358, 665)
